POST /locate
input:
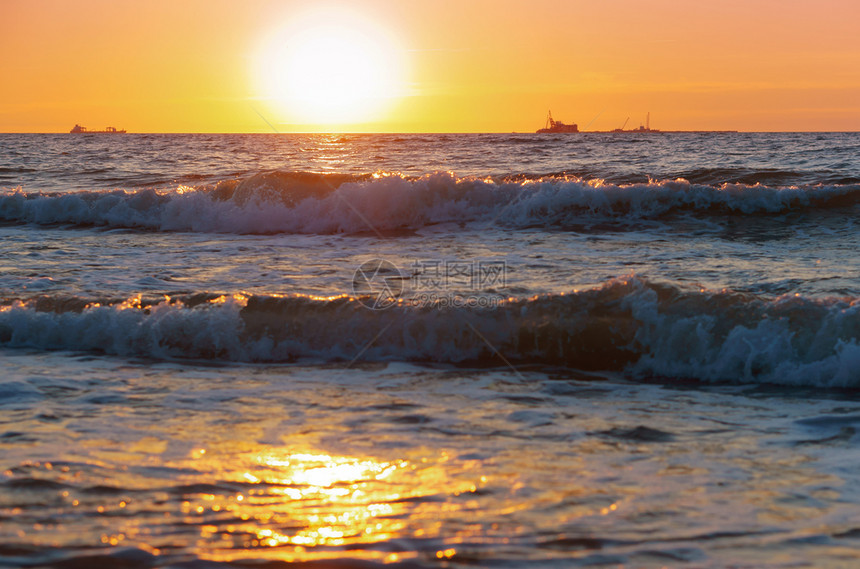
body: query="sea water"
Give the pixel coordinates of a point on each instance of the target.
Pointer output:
(444, 350)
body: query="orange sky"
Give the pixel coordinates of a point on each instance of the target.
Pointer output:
(468, 65)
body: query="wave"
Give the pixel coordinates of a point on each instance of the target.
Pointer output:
(765, 176)
(643, 329)
(302, 202)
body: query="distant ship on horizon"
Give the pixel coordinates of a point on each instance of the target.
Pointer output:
(78, 129)
(645, 128)
(556, 126)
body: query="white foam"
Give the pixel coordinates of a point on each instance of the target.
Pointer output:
(630, 325)
(272, 204)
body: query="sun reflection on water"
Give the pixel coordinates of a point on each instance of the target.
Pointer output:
(311, 505)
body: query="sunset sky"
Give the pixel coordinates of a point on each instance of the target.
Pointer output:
(428, 65)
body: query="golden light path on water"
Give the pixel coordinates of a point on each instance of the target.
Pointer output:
(297, 506)
(310, 466)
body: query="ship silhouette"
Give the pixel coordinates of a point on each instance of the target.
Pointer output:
(557, 126)
(78, 129)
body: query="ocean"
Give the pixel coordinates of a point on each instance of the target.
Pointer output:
(430, 350)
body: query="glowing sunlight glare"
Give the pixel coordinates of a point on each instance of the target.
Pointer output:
(329, 67)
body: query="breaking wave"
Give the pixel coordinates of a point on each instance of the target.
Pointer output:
(301, 202)
(641, 328)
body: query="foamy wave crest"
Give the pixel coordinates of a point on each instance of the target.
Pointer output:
(640, 328)
(295, 202)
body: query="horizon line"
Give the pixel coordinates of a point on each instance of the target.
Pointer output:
(654, 131)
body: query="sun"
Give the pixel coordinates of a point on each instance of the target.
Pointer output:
(329, 67)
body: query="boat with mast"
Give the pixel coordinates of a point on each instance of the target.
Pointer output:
(642, 128)
(553, 126)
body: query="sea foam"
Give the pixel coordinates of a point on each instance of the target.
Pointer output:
(634, 326)
(296, 202)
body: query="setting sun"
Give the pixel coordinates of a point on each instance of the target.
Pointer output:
(328, 67)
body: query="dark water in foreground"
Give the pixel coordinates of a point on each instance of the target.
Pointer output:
(429, 350)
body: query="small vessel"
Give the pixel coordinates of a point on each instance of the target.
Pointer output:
(556, 126)
(642, 128)
(622, 126)
(83, 130)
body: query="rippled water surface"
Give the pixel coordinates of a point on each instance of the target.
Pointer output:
(411, 465)
(429, 350)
